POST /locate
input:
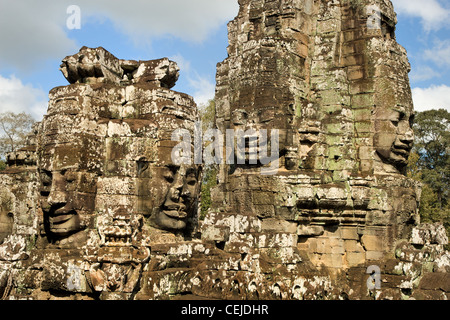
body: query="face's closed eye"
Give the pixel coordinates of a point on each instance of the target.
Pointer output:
(45, 177)
(191, 178)
(46, 182)
(169, 175)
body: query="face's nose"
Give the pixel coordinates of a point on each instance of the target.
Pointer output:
(58, 194)
(177, 188)
(185, 192)
(405, 132)
(407, 135)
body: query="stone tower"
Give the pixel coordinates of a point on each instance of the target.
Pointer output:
(331, 78)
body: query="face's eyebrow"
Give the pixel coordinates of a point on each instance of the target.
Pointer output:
(172, 167)
(388, 114)
(398, 109)
(406, 109)
(191, 171)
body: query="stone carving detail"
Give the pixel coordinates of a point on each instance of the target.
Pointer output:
(98, 65)
(95, 208)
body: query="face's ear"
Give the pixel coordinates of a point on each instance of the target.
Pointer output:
(6, 222)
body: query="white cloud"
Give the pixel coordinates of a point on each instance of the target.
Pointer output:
(32, 31)
(35, 30)
(204, 90)
(198, 86)
(432, 13)
(191, 20)
(183, 64)
(423, 73)
(18, 97)
(440, 53)
(434, 97)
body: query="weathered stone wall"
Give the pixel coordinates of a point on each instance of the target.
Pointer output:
(95, 206)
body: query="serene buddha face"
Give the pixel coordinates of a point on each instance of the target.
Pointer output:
(180, 184)
(170, 196)
(394, 136)
(68, 183)
(67, 196)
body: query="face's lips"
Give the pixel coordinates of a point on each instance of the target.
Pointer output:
(64, 225)
(175, 214)
(175, 207)
(61, 218)
(402, 150)
(175, 210)
(60, 211)
(60, 215)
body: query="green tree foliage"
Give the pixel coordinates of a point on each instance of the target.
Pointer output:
(208, 119)
(209, 181)
(2, 165)
(14, 128)
(208, 115)
(429, 163)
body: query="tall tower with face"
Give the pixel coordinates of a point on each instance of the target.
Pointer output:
(70, 161)
(139, 154)
(387, 69)
(377, 70)
(105, 148)
(107, 182)
(331, 77)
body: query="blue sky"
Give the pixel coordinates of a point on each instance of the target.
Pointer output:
(34, 38)
(423, 29)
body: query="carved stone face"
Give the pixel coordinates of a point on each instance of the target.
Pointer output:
(171, 195)
(65, 194)
(394, 136)
(6, 216)
(67, 184)
(6, 224)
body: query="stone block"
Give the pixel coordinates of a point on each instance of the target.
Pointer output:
(310, 231)
(265, 198)
(372, 243)
(334, 245)
(349, 233)
(355, 258)
(216, 233)
(245, 223)
(275, 240)
(332, 260)
(375, 255)
(363, 100)
(435, 281)
(265, 211)
(355, 73)
(278, 225)
(353, 246)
